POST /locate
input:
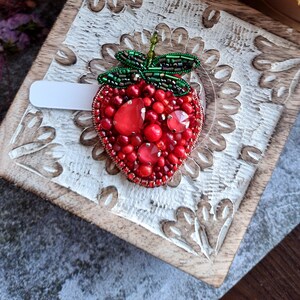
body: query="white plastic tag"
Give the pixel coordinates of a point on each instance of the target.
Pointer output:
(62, 95)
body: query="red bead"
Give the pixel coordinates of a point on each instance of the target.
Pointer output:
(136, 140)
(182, 142)
(116, 147)
(151, 116)
(187, 98)
(161, 145)
(153, 132)
(165, 102)
(97, 105)
(133, 91)
(169, 94)
(165, 153)
(172, 159)
(158, 107)
(123, 140)
(122, 92)
(147, 101)
(144, 170)
(178, 136)
(188, 108)
(121, 155)
(168, 138)
(130, 117)
(187, 134)
(127, 149)
(159, 175)
(109, 111)
(149, 90)
(106, 123)
(117, 100)
(179, 151)
(178, 121)
(131, 157)
(148, 153)
(160, 95)
(161, 162)
(131, 176)
(179, 101)
(112, 139)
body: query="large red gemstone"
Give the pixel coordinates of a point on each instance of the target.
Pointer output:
(130, 117)
(148, 153)
(178, 121)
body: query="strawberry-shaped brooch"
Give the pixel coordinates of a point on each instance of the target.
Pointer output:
(147, 117)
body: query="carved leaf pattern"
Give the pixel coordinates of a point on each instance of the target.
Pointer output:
(219, 106)
(210, 17)
(65, 56)
(108, 197)
(116, 6)
(32, 138)
(202, 231)
(280, 70)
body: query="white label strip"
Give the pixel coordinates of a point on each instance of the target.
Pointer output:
(62, 95)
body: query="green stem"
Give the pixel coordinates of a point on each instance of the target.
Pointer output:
(151, 53)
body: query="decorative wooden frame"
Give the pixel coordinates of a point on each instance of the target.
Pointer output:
(212, 272)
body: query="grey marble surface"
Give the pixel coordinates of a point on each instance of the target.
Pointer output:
(47, 253)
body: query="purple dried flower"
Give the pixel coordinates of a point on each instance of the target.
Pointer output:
(8, 36)
(23, 41)
(18, 20)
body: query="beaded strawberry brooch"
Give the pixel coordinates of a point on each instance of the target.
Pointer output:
(147, 117)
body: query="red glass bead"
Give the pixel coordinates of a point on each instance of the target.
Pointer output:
(131, 176)
(147, 101)
(161, 145)
(149, 90)
(109, 111)
(136, 140)
(116, 147)
(117, 101)
(151, 116)
(148, 153)
(161, 162)
(160, 95)
(121, 155)
(187, 98)
(178, 121)
(179, 151)
(153, 132)
(187, 134)
(158, 107)
(133, 91)
(144, 170)
(173, 159)
(130, 117)
(106, 123)
(123, 140)
(127, 149)
(131, 157)
(188, 108)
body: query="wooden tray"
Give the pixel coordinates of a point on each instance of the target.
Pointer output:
(251, 79)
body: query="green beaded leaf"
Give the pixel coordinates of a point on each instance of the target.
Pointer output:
(118, 77)
(176, 63)
(158, 71)
(166, 82)
(131, 58)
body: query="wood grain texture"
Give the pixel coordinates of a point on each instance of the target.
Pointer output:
(277, 276)
(213, 273)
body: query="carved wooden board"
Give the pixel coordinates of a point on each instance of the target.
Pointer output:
(251, 81)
